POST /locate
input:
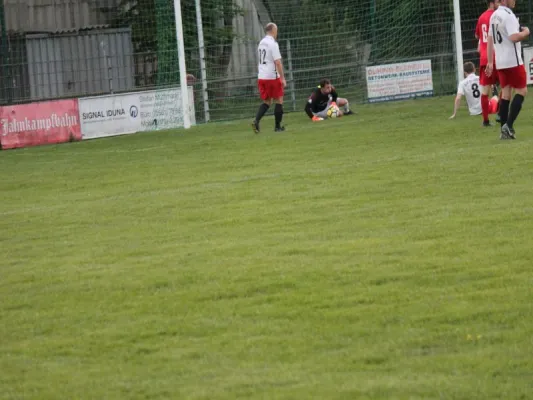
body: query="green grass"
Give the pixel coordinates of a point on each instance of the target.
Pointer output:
(382, 256)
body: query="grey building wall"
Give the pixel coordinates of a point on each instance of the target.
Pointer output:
(54, 15)
(60, 48)
(77, 64)
(249, 29)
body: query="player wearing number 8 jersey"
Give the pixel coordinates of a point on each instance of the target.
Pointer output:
(505, 35)
(470, 88)
(482, 30)
(271, 80)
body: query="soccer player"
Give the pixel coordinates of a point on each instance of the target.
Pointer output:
(271, 80)
(322, 98)
(505, 35)
(482, 30)
(468, 87)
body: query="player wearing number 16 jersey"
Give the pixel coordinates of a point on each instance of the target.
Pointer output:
(482, 34)
(505, 35)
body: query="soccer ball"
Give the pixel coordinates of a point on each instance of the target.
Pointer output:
(333, 111)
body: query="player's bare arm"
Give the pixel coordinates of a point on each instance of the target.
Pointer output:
(279, 68)
(520, 36)
(456, 105)
(490, 56)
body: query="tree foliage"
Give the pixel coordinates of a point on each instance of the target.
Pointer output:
(154, 31)
(393, 28)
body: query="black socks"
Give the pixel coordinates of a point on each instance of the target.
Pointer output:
(504, 111)
(516, 106)
(263, 108)
(278, 114)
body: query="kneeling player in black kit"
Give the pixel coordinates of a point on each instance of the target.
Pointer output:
(322, 98)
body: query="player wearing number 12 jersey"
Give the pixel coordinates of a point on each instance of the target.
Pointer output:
(482, 34)
(505, 35)
(270, 78)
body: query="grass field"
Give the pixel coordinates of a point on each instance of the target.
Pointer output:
(386, 255)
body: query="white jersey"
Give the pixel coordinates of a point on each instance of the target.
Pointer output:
(268, 52)
(503, 24)
(470, 88)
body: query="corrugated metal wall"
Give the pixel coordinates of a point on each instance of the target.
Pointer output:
(70, 65)
(54, 15)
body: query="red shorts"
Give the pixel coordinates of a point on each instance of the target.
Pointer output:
(270, 88)
(514, 77)
(485, 80)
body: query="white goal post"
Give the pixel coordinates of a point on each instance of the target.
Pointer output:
(458, 39)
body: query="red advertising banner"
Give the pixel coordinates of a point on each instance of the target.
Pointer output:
(36, 124)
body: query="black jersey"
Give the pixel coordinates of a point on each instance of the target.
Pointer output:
(318, 101)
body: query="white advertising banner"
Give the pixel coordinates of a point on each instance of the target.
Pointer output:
(161, 109)
(528, 63)
(119, 114)
(109, 115)
(399, 81)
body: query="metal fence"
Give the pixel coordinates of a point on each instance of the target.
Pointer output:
(68, 60)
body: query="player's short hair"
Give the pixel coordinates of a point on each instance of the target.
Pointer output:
(324, 82)
(270, 27)
(469, 67)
